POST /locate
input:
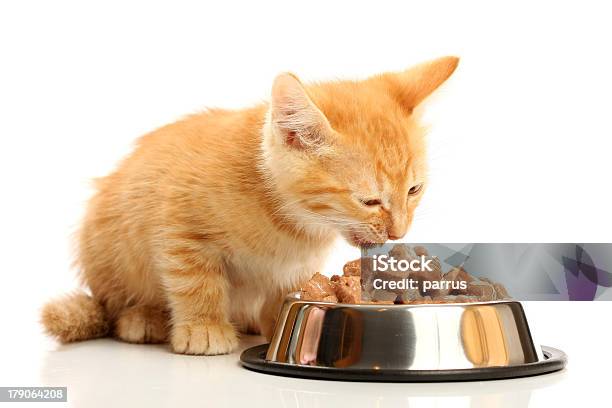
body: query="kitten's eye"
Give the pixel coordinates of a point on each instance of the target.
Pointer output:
(415, 189)
(371, 203)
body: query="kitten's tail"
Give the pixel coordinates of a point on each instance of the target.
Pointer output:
(74, 317)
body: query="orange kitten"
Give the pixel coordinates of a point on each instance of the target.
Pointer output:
(201, 231)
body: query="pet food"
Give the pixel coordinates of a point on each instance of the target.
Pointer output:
(433, 286)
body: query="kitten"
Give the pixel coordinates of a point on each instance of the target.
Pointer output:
(203, 229)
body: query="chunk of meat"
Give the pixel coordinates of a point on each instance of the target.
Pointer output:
(384, 296)
(430, 276)
(402, 251)
(320, 289)
(459, 279)
(484, 291)
(348, 288)
(352, 268)
(458, 274)
(500, 292)
(419, 250)
(410, 296)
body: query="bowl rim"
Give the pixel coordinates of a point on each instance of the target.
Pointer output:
(295, 297)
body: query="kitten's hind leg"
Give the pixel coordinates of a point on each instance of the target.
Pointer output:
(197, 290)
(142, 324)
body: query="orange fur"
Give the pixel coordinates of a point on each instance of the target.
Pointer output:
(211, 219)
(74, 317)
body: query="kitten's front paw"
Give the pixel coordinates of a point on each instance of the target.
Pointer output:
(200, 339)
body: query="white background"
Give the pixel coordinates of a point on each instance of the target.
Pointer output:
(520, 147)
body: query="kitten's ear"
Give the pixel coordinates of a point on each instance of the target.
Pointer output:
(295, 117)
(412, 86)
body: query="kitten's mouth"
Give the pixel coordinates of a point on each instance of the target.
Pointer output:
(359, 241)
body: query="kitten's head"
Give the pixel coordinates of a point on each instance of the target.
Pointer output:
(350, 155)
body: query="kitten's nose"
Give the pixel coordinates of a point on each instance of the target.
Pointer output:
(398, 228)
(396, 223)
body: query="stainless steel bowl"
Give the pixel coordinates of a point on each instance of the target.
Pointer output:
(430, 342)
